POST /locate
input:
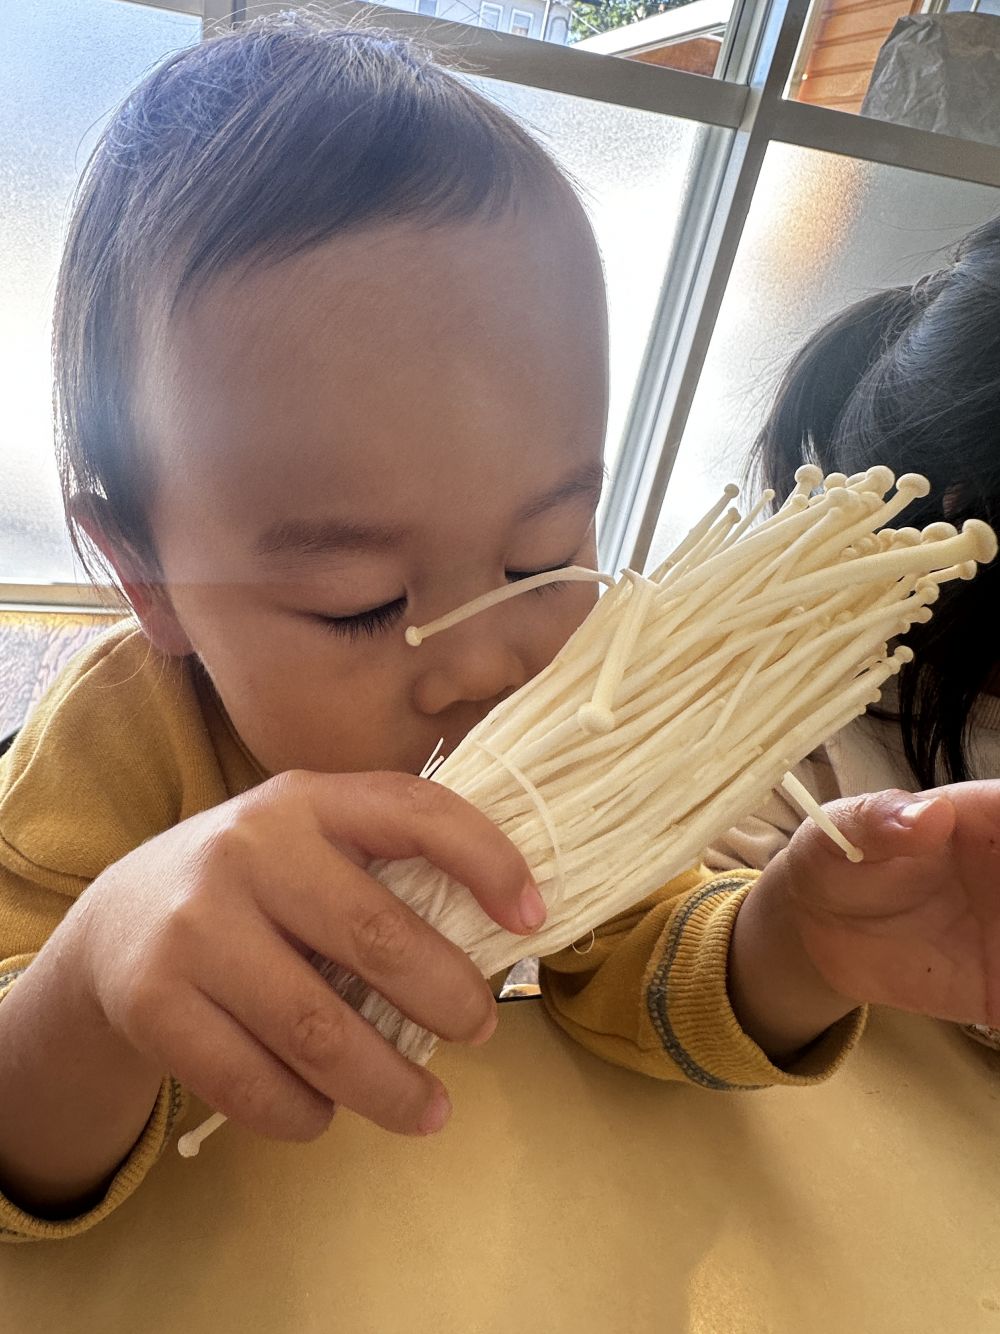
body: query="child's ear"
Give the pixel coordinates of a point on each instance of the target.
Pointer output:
(144, 589)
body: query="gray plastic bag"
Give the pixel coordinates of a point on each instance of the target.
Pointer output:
(940, 73)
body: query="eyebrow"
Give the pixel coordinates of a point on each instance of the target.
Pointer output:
(586, 484)
(304, 537)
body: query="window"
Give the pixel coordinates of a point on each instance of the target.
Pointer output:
(428, 7)
(558, 30)
(731, 217)
(891, 227)
(521, 22)
(65, 65)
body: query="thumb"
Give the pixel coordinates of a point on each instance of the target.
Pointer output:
(883, 825)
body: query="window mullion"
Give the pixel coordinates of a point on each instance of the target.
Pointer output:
(697, 275)
(217, 15)
(178, 6)
(100, 599)
(870, 140)
(545, 65)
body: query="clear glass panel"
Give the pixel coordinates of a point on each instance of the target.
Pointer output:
(678, 34)
(823, 231)
(632, 169)
(930, 64)
(65, 62)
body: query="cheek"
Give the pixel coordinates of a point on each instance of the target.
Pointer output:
(301, 712)
(560, 616)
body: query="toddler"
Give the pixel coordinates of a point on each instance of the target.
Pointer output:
(330, 357)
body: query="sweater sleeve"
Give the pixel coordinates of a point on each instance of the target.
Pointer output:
(28, 915)
(650, 992)
(112, 755)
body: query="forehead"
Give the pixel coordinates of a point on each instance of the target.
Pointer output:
(416, 368)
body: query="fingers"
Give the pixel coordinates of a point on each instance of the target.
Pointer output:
(884, 825)
(396, 816)
(285, 1006)
(215, 1057)
(231, 1061)
(344, 914)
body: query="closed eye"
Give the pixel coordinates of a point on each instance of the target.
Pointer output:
(513, 576)
(372, 622)
(367, 623)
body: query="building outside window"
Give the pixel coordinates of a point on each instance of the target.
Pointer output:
(972, 7)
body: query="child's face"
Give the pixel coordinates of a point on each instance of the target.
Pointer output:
(396, 420)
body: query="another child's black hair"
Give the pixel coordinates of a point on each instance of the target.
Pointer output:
(247, 149)
(910, 377)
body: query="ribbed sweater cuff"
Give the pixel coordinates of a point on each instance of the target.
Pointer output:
(688, 1002)
(18, 1225)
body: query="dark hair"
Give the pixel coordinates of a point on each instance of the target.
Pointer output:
(246, 149)
(910, 377)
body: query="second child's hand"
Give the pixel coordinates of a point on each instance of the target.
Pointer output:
(915, 925)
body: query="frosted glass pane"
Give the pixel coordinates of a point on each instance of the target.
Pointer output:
(823, 231)
(632, 167)
(65, 64)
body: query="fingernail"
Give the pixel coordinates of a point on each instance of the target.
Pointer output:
(912, 812)
(532, 907)
(436, 1115)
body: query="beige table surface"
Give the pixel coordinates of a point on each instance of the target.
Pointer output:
(568, 1195)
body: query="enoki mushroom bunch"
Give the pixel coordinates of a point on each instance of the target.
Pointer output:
(681, 702)
(677, 706)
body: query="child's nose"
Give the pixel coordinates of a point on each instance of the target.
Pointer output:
(465, 666)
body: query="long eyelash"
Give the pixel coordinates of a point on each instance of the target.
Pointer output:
(368, 623)
(372, 623)
(514, 576)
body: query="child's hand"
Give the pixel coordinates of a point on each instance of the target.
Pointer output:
(195, 947)
(915, 925)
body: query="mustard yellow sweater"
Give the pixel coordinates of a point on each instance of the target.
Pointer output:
(128, 743)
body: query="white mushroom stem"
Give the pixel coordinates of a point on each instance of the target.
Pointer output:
(189, 1144)
(596, 715)
(808, 804)
(415, 635)
(730, 492)
(750, 518)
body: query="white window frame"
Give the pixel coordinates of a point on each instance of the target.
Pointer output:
(745, 110)
(430, 13)
(523, 14)
(494, 8)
